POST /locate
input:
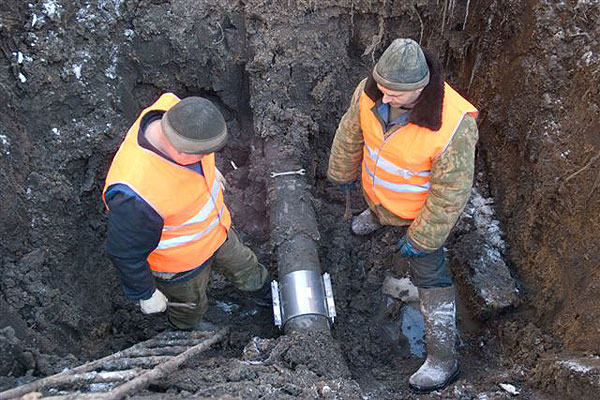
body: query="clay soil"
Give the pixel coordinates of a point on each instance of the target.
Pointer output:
(74, 75)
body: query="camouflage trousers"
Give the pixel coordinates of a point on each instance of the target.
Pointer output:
(236, 261)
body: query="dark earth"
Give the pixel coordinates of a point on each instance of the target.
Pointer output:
(74, 75)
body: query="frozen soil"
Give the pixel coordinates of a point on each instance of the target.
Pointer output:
(73, 76)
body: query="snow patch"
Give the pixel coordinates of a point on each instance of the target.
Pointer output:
(115, 3)
(82, 57)
(101, 387)
(587, 3)
(77, 70)
(552, 129)
(111, 71)
(52, 8)
(509, 388)
(55, 132)
(32, 38)
(575, 366)
(82, 14)
(22, 77)
(482, 213)
(588, 58)
(4, 144)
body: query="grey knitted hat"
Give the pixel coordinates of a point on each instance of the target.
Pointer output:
(195, 126)
(402, 66)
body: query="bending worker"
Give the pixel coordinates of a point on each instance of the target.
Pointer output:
(414, 137)
(167, 221)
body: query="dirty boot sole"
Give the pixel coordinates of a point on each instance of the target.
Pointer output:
(425, 390)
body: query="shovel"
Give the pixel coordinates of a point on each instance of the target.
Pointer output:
(347, 213)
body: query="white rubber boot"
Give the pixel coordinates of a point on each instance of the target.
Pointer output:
(438, 307)
(364, 223)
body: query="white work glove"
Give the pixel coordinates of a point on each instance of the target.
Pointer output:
(156, 303)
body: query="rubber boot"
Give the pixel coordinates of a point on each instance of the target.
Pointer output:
(438, 307)
(364, 223)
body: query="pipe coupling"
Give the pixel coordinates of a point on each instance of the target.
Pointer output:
(302, 293)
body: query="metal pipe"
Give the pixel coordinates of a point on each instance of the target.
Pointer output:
(294, 236)
(301, 294)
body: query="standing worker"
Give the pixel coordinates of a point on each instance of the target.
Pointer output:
(167, 221)
(414, 137)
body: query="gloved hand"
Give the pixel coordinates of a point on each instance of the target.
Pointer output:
(408, 249)
(156, 303)
(346, 187)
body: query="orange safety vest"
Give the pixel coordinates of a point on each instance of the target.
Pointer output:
(396, 169)
(195, 217)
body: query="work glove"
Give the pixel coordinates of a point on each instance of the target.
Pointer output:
(408, 249)
(347, 187)
(155, 304)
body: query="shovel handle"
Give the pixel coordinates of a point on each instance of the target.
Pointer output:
(347, 213)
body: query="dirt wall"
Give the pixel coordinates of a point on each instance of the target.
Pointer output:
(535, 68)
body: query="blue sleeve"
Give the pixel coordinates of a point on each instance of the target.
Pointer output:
(134, 230)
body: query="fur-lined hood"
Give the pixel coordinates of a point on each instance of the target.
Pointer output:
(427, 112)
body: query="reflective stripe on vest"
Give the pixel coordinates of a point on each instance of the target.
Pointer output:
(204, 212)
(195, 217)
(396, 169)
(391, 167)
(201, 216)
(397, 187)
(181, 240)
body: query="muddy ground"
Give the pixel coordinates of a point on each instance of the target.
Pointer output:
(73, 76)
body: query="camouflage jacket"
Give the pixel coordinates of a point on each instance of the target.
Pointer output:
(451, 176)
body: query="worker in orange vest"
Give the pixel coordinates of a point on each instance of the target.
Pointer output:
(168, 224)
(413, 137)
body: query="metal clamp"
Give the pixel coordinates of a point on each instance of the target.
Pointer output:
(301, 293)
(301, 171)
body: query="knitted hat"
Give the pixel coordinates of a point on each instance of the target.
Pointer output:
(195, 126)
(402, 66)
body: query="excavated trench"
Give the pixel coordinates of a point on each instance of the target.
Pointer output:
(75, 74)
